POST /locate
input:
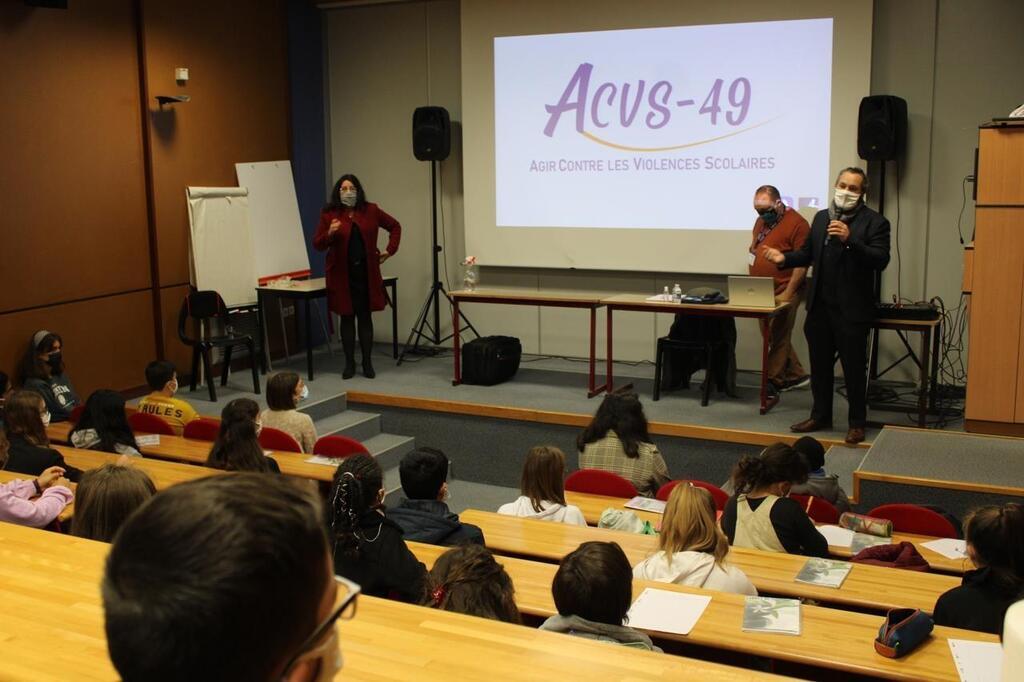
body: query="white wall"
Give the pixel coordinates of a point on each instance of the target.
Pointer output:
(956, 63)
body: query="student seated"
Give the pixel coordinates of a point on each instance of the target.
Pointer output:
(761, 515)
(543, 489)
(468, 580)
(50, 489)
(368, 546)
(617, 440)
(106, 497)
(163, 382)
(284, 391)
(237, 447)
(104, 426)
(423, 515)
(819, 482)
(42, 370)
(994, 543)
(693, 551)
(593, 590)
(223, 578)
(26, 417)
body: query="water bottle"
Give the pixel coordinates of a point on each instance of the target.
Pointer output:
(665, 296)
(677, 293)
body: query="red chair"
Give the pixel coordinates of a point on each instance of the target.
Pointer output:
(910, 518)
(203, 428)
(820, 510)
(339, 446)
(142, 422)
(717, 494)
(275, 439)
(600, 482)
(76, 414)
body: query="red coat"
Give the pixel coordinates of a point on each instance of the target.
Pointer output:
(368, 220)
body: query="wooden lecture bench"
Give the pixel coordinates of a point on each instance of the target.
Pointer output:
(829, 638)
(593, 505)
(873, 588)
(52, 617)
(192, 451)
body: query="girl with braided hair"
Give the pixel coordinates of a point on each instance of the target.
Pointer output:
(468, 580)
(368, 547)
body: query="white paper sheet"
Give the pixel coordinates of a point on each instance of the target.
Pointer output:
(646, 504)
(948, 547)
(977, 661)
(666, 611)
(152, 439)
(326, 461)
(660, 298)
(836, 536)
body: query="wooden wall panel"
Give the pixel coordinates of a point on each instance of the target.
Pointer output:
(996, 310)
(1001, 167)
(107, 341)
(174, 350)
(237, 56)
(73, 223)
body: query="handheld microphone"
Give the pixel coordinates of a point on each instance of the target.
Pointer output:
(833, 214)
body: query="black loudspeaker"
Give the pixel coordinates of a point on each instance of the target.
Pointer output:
(431, 134)
(51, 4)
(882, 128)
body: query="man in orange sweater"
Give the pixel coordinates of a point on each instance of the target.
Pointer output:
(780, 227)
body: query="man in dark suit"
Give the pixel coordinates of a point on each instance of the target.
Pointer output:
(849, 242)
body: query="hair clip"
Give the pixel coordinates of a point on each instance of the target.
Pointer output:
(438, 595)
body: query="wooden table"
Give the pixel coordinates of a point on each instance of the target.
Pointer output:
(52, 629)
(873, 588)
(829, 638)
(192, 451)
(639, 303)
(928, 370)
(589, 302)
(593, 505)
(305, 291)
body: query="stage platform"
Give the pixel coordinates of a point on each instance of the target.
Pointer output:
(964, 470)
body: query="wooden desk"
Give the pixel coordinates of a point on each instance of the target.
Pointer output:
(590, 302)
(928, 369)
(639, 303)
(192, 451)
(593, 505)
(52, 616)
(873, 588)
(305, 291)
(829, 638)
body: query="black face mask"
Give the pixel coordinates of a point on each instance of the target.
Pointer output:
(769, 216)
(54, 360)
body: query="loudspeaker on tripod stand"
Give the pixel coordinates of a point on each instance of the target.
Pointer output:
(431, 134)
(882, 128)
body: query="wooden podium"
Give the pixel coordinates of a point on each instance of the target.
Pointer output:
(994, 274)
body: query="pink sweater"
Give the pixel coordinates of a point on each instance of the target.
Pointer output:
(15, 506)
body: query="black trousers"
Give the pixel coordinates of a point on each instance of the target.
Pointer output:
(828, 333)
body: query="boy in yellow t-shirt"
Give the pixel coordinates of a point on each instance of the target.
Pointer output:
(163, 379)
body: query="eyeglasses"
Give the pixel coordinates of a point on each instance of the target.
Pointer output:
(345, 610)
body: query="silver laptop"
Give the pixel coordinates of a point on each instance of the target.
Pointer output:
(753, 292)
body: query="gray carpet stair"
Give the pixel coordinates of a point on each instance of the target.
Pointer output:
(332, 417)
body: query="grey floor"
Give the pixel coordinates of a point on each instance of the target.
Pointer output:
(558, 384)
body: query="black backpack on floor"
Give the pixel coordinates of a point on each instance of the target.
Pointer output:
(490, 360)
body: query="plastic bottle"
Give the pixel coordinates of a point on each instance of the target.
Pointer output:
(677, 293)
(665, 296)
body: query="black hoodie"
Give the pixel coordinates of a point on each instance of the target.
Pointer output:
(431, 521)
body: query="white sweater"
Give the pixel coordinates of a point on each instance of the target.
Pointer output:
(550, 511)
(694, 569)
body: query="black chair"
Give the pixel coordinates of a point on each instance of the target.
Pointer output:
(665, 343)
(208, 307)
(697, 342)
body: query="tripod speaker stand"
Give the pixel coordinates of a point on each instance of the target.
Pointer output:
(431, 136)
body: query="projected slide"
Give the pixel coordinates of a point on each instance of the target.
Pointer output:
(668, 128)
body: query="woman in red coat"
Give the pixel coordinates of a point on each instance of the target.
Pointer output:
(348, 232)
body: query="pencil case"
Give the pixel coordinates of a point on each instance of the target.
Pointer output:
(859, 523)
(902, 631)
